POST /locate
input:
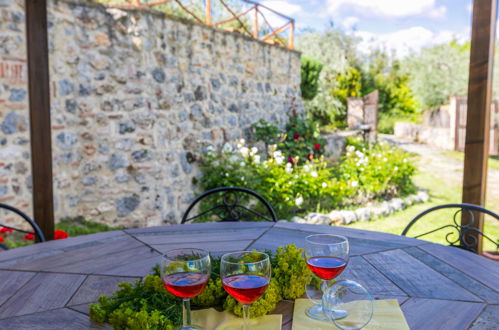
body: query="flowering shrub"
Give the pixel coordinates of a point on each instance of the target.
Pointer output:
(365, 173)
(13, 239)
(300, 140)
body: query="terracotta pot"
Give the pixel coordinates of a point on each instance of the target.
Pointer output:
(494, 255)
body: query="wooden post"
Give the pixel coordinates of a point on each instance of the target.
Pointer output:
(479, 100)
(39, 110)
(208, 12)
(255, 23)
(291, 42)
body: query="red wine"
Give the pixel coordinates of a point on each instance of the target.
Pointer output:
(326, 268)
(245, 288)
(185, 285)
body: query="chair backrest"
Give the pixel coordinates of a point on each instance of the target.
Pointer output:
(35, 229)
(230, 204)
(466, 237)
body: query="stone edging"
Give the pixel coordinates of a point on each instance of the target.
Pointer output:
(344, 217)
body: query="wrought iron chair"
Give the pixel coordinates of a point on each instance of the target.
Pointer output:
(462, 236)
(230, 204)
(36, 230)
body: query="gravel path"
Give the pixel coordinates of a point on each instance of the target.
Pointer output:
(448, 168)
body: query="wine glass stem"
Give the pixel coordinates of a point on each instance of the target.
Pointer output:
(324, 286)
(246, 315)
(186, 312)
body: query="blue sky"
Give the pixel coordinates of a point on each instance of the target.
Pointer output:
(402, 25)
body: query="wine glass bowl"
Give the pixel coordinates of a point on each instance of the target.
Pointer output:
(185, 274)
(326, 256)
(245, 276)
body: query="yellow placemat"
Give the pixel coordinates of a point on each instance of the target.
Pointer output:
(387, 315)
(214, 320)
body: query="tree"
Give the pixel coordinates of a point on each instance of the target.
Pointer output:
(438, 72)
(310, 72)
(334, 48)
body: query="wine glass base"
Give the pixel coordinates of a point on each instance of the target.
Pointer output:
(315, 312)
(191, 327)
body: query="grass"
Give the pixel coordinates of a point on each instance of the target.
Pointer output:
(441, 192)
(79, 226)
(493, 160)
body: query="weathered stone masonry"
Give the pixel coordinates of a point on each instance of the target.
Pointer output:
(136, 96)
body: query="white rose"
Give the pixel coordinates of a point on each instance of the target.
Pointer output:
(244, 151)
(299, 201)
(354, 183)
(314, 174)
(324, 185)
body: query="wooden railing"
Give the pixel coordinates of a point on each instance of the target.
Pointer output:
(252, 18)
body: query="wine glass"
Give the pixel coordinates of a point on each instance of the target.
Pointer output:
(327, 257)
(185, 274)
(245, 276)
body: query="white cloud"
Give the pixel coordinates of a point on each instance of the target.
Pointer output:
(438, 12)
(282, 7)
(386, 8)
(407, 40)
(350, 22)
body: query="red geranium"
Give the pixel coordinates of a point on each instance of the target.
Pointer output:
(1, 239)
(296, 136)
(291, 160)
(5, 230)
(60, 234)
(29, 237)
(317, 146)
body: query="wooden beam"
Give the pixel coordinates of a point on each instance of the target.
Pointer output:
(276, 31)
(208, 12)
(476, 150)
(234, 17)
(255, 23)
(39, 111)
(291, 42)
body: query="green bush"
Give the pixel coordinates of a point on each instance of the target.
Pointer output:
(364, 173)
(310, 72)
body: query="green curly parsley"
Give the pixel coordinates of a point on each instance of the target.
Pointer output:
(147, 305)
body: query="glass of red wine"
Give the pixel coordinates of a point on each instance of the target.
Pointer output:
(327, 257)
(185, 274)
(245, 276)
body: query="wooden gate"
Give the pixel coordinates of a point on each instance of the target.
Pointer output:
(461, 113)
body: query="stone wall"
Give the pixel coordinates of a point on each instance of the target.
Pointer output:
(136, 97)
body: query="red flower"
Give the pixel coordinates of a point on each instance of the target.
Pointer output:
(1, 239)
(310, 156)
(296, 136)
(60, 234)
(291, 160)
(5, 230)
(29, 237)
(317, 146)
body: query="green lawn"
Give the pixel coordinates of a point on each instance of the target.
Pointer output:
(493, 160)
(441, 192)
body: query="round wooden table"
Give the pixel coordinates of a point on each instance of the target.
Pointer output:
(50, 285)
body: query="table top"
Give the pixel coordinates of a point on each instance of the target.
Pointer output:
(50, 285)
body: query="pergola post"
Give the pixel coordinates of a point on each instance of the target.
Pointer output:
(39, 110)
(476, 151)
